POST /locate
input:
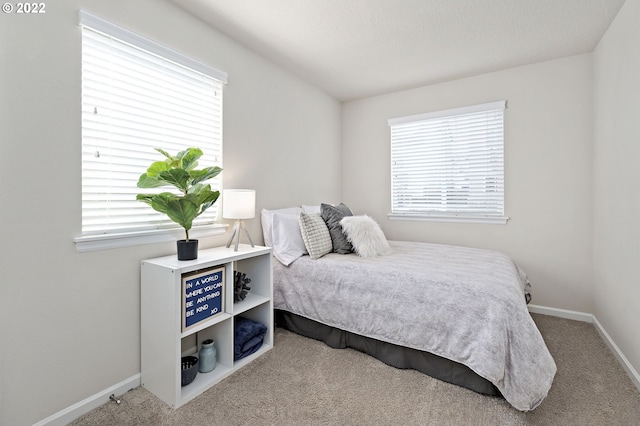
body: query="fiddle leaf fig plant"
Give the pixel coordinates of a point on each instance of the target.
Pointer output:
(180, 171)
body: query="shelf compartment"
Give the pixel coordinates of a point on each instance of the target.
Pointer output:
(202, 382)
(258, 269)
(250, 302)
(262, 313)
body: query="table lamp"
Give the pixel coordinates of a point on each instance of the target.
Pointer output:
(238, 204)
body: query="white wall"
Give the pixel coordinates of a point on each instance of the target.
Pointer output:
(69, 321)
(547, 171)
(616, 200)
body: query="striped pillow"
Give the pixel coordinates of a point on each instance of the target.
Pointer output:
(315, 235)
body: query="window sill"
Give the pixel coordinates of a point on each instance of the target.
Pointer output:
(495, 220)
(112, 241)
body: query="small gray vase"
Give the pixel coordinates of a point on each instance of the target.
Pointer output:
(207, 356)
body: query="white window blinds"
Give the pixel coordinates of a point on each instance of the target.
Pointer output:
(134, 100)
(449, 163)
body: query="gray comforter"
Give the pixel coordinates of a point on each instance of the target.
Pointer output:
(460, 303)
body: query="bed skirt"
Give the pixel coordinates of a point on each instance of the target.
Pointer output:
(394, 355)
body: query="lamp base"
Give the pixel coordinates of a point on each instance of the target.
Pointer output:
(239, 225)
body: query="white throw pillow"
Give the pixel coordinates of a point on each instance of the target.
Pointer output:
(311, 209)
(315, 235)
(267, 222)
(287, 239)
(365, 235)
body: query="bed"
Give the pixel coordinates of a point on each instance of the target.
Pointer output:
(456, 313)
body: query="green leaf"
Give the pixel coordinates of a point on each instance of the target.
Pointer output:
(197, 188)
(182, 211)
(203, 197)
(204, 174)
(165, 153)
(145, 198)
(208, 201)
(160, 202)
(176, 177)
(190, 157)
(146, 181)
(157, 167)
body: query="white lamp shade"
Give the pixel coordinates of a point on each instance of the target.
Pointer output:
(238, 203)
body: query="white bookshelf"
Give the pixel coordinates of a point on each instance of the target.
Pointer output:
(163, 342)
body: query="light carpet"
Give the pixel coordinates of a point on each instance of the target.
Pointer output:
(304, 382)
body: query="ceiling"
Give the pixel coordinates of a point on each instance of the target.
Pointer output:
(358, 48)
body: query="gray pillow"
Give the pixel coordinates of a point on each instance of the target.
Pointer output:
(332, 215)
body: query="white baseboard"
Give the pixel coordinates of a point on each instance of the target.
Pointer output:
(71, 413)
(631, 372)
(582, 316)
(562, 313)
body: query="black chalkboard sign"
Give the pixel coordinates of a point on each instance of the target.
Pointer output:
(202, 296)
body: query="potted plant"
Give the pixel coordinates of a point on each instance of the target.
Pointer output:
(195, 197)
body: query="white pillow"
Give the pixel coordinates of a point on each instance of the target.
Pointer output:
(365, 235)
(267, 222)
(315, 235)
(311, 209)
(287, 239)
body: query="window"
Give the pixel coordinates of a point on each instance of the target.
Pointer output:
(449, 165)
(138, 95)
